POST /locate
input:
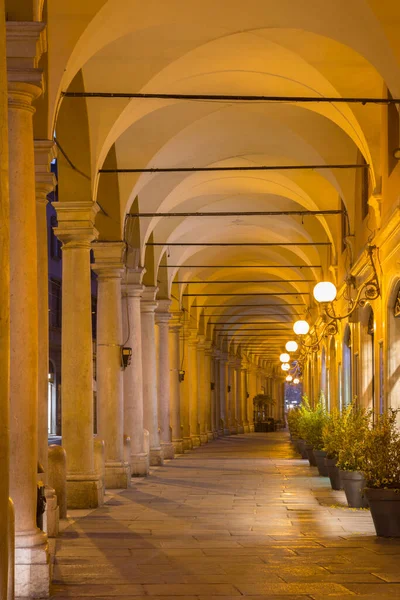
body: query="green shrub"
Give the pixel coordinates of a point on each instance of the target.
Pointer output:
(332, 433)
(354, 429)
(312, 421)
(381, 461)
(293, 417)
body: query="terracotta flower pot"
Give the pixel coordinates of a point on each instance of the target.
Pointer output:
(310, 455)
(385, 511)
(354, 484)
(320, 460)
(334, 473)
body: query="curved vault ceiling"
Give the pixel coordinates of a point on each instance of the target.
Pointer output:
(286, 48)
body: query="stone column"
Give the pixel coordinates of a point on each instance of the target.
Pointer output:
(109, 266)
(232, 420)
(193, 389)
(202, 390)
(133, 374)
(219, 428)
(76, 230)
(175, 385)
(223, 393)
(209, 394)
(150, 402)
(239, 397)
(163, 377)
(244, 400)
(45, 183)
(184, 391)
(5, 524)
(24, 47)
(253, 392)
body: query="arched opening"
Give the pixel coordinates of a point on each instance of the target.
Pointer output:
(332, 400)
(346, 367)
(323, 385)
(367, 348)
(393, 319)
(52, 399)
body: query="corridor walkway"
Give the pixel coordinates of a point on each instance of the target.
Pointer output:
(240, 516)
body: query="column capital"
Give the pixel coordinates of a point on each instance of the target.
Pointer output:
(45, 151)
(162, 311)
(148, 302)
(109, 259)
(25, 43)
(132, 290)
(133, 275)
(175, 323)
(76, 223)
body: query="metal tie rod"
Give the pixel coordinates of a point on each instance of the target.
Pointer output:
(233, 97)
(251, 305)
(248, 281)
(258, 244)
(277, 293)
(233, 168)
(251, 213)
(240, 266)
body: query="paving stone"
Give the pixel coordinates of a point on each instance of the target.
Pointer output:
(240, 516)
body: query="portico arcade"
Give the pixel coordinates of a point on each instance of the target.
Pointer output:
(206, 294)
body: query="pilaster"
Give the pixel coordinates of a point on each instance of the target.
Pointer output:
(163, 317)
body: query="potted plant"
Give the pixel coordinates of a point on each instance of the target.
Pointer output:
(350, 459)
(305, 426)
(382, 473)
(332, 435)
(293, 424)
(318, 420)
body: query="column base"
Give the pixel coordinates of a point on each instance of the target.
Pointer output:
(246, 428)
(187, 444)
(32, 565)
(195, 441)
(240, 429)
(156, 457)
(140, 464)
(178, 446)
(210, 436)
(167, 449)
(251, 428)
(84, 491)
(203, 439)
(51, 516)
(117, 475)
(215, 434)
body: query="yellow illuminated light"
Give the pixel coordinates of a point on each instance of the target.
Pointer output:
(291, 346)
(325, 291)
(296, 380)
(301, 327)
(285, 367)
(289, 378)
(284, 358)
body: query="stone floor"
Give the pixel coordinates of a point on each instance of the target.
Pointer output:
(242, 516)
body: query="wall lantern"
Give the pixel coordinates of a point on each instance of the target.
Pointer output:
(126, 356)
(284, 357)
(291, 346)
(289, 378)
(325, 291)
(301, 327)
(181, 376)
(285, 367)
(296, 380)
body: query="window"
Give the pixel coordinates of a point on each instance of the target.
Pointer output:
(55, 244)
(55, 303)
(343, 218)
(365, 188)
(393, 127)
(94, 316)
